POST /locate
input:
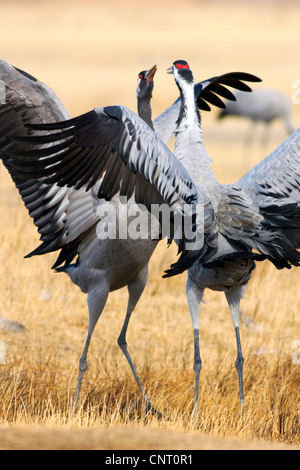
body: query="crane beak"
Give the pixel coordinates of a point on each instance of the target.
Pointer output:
(150, 74)
(170, 70)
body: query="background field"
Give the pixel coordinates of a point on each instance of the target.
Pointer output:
(90, 53)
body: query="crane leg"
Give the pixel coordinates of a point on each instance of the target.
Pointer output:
(249, 138)
(266, 134)
(234, 296)
(135, 290)
(96, 301)
(194, 298)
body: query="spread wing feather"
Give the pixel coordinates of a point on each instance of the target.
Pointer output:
(113, 151)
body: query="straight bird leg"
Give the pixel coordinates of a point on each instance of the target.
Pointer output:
(96, 301)
(265, 139)
(135, 289)
(251, 133)
(234, 296)
(194, 298)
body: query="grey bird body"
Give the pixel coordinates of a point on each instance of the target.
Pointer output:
(261, 211)
(107, 153)
(109, 261)
(264, 105)
(106, 265)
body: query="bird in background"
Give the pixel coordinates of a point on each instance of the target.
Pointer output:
(107, 152)
(264, 105)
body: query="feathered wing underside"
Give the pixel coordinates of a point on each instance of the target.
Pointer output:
(275, 185)
(208, 92)
(208, 230)
(28, 101)
(262, 210)
(111, 151)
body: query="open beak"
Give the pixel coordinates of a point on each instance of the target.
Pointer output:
(170, 70)
(150, 74)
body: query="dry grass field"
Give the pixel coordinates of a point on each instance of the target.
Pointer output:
(90, 53)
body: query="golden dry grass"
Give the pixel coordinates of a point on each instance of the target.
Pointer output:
(90, 55)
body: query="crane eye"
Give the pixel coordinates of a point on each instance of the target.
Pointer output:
(140, 76)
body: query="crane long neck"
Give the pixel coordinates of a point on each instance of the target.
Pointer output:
(189, 116)
(144, 110)
(189, 147)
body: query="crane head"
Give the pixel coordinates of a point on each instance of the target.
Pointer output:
(145, 82)
(181, 70)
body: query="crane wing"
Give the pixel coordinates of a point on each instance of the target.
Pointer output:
(262, 210)
(27, 100)
(113, 151)
(207, 92)
(274, 185)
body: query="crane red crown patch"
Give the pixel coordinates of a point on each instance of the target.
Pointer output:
(181, 65)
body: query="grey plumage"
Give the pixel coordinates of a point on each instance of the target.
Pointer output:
(208, 92)
(256, 218)
(263, 105)
(67, 219)
(28, 100)
(90, 147)
(259, 212)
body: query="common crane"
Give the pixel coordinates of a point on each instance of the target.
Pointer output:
(264, 105)
(261, 211)
(105, 266)
(30, 101)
